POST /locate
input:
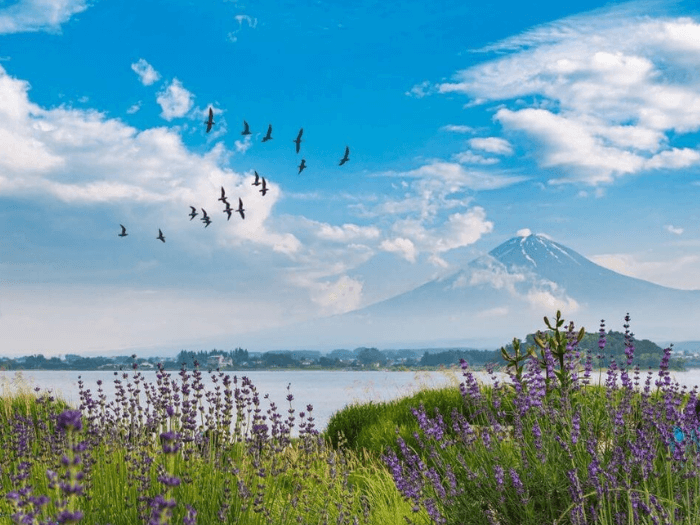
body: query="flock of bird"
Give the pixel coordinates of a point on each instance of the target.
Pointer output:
(228, 210)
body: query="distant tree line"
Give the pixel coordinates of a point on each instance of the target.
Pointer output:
(646, 354)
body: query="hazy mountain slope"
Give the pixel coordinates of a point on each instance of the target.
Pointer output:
(497, 297)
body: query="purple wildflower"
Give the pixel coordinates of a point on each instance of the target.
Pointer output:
(70, 419)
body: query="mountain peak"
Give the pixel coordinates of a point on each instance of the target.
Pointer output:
(535, 251)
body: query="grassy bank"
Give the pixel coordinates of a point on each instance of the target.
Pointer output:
(546, 446)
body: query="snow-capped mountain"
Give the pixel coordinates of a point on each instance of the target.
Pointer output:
(499, 296)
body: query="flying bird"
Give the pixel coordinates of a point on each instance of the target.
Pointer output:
(269, 134)
(123, 233)
(160, 235)
(194, 212)
(246, 129)
(298, 139)
(346, 157)
(228, 210)
(206, 218)
(210, 122)
(240, 208)
(302, 165)
(264, 189)
(223, 196)
(257, 179)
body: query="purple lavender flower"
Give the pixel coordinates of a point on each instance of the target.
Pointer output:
(168, 440)
(70, 419)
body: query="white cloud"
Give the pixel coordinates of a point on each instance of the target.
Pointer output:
(174, 100)
(402, 246)
(421, 90)
(241, 19)
(80, 156)
(670, 228)
(145, 71)
(20, 122)
(459, 230)
(674, 158)
(524, 232)
(343, 295)
(569, 143)
(252, 22)
(545, 300)
(347, 232)
(243, 145)
(469, 157)
(457, 128)
(492, 145)
(39, 15)
(438, 261)
(461, 178)
(525, 285)
(612, 84)
(494, 274)
(682, 272)
(134, 108)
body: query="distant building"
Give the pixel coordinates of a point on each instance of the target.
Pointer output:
(217, 361)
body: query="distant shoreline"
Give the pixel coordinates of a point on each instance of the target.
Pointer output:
(455, 368)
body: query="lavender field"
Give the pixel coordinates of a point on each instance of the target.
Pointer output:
(546, 445)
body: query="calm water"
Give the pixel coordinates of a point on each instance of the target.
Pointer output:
(327, 391)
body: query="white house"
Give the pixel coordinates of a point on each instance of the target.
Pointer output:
(217, 361)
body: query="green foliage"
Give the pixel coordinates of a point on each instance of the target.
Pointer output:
(453, 357)
(373, 427)
(647, 354)
(368, 356)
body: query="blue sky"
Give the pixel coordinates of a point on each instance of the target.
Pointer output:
(466, 124)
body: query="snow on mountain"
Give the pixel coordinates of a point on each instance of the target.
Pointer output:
(499, 296)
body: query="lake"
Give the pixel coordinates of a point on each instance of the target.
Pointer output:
(327, 391)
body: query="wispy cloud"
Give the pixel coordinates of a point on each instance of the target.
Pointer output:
(39, 15)
(422, 89)
(539, 293)
(614, 82)
(134, 108)
(673, 272)
(460, 229)
(243, 145)
(469, 157)
(145, 71)
(402, 246)
(242, 20)
(461, 178)
(337, 297)
(494, 145)
(672, 229)
(174, 100)
(347, 232)
(457, 128)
